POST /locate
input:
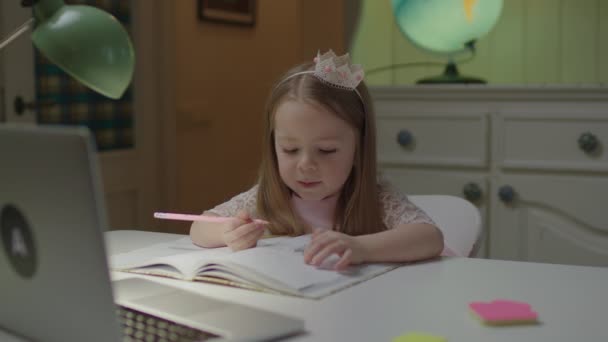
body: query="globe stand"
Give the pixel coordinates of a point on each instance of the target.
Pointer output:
(451, 76)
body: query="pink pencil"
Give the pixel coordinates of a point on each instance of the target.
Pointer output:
(187, 217)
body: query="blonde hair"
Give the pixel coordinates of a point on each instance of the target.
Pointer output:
(358, 209)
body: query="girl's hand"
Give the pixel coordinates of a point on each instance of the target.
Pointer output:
(242, 233)
(324, 243)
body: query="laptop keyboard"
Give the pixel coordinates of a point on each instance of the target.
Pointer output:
(139, 326)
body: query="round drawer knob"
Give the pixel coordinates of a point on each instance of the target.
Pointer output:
(472, 192)
(405, 138)
(588, 142)
(506, 193)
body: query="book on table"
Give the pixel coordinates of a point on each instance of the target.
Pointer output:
(275, 265)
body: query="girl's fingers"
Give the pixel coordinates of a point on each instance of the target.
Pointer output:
(234, 224)
(336, 247)
(316, 244)
(243, 215)
(253, 236)
(247, 242)
(240, 231)
(247, 237)
(344, 261)
(245, 229)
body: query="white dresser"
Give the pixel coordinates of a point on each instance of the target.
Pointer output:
(533, 159)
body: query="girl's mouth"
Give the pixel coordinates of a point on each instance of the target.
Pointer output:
(308, 184)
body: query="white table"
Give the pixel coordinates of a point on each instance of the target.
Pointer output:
(432, 297)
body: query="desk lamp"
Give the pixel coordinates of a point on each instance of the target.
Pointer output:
(446, 27)
(87, 43)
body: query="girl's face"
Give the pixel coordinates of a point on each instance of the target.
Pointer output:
(315, 149)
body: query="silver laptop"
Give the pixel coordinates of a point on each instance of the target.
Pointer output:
(54, 280)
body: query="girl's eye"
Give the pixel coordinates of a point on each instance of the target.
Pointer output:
(290, 150)
(328, 151)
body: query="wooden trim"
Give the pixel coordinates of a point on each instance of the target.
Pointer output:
(150, 162)
(145, 164)
(165, 47)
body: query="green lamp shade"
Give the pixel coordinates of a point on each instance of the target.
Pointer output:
(88, 44)
(445, 26)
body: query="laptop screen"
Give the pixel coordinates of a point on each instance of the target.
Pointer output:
(52, 264)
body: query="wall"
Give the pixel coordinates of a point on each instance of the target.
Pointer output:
(217, 79)
(534, 42)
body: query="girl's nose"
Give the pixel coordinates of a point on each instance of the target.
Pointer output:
(307, 163)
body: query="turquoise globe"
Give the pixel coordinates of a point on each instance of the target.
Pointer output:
(445, 26)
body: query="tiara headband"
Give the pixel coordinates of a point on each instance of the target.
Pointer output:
(335, 71)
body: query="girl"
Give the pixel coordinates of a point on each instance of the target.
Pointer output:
(318, 176)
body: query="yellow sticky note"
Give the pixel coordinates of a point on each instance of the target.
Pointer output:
(419, 337)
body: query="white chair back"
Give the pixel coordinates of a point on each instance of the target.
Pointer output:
(458, 219)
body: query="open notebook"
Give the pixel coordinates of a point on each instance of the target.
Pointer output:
(276, 265)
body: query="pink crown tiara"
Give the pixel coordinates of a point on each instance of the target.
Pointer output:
(338, 71)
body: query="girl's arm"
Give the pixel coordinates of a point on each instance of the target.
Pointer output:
(412, 235)
(216, 234)
(238, 233)
(207, 234)
(406, 242)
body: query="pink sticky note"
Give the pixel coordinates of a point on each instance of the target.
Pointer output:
(502, 311)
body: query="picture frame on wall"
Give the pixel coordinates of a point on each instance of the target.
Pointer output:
(237, 12)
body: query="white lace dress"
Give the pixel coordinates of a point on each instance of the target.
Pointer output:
(397, 209)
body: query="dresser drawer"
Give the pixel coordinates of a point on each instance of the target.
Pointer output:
(438, 182)
(552, 218)
(433, 139)
(552, 142)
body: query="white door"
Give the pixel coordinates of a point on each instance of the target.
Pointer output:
(130, 176)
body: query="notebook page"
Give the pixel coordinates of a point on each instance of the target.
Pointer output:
(181, 254)
(359, 274)
(283, 259)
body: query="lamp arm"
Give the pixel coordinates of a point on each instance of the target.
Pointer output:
(19, 31)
